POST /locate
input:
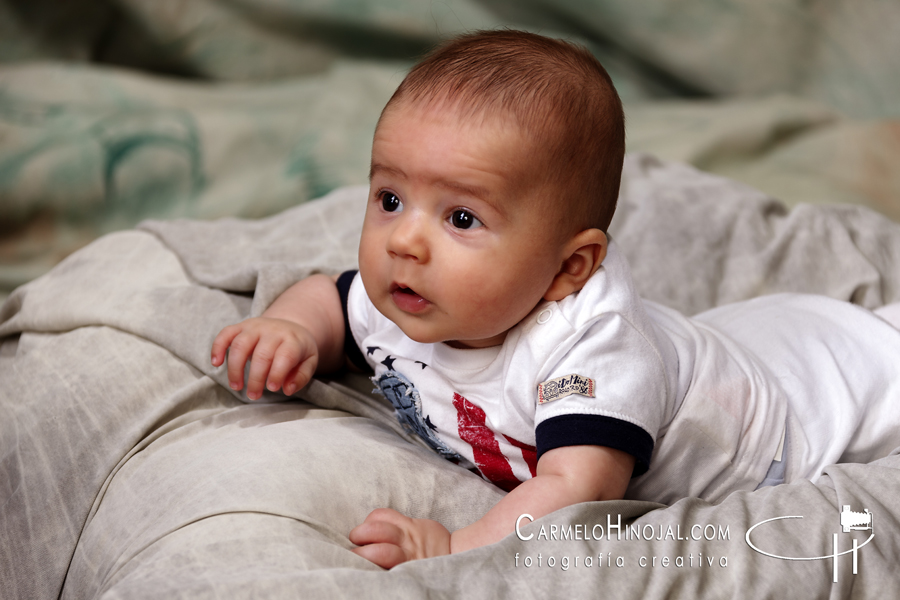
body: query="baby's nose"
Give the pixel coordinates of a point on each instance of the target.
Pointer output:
(409, 239)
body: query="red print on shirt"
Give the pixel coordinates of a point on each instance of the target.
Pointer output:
(529, 453)
(485, 447)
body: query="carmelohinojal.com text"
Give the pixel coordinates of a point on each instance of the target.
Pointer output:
(617, 532)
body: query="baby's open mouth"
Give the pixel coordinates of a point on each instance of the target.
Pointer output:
(408, 300)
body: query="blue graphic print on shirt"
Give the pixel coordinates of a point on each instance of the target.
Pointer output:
(407, 403)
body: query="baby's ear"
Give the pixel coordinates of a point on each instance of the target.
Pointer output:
(583, 256)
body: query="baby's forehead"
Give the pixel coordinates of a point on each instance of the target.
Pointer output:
(512, 149)
(530, 149)
(478, 122)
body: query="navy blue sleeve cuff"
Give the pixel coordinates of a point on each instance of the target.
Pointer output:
(596, 430)
(351, 350)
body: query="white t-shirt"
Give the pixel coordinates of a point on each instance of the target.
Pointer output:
(702, 412)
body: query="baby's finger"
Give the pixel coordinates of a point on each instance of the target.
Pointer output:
(385, 556)
(241, 348)
(221, 343)
(376, 532)
(287, 357)
(301, 375)
(260, 364)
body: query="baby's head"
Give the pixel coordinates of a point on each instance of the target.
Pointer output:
(495, 173)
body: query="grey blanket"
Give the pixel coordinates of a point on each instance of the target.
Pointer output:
(128, 469)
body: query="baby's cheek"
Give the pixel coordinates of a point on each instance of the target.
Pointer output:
(493, 309)
(369, 270)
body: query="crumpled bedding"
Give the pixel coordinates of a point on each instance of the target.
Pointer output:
(128, 469)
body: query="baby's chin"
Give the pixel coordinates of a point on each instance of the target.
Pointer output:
(482, 342)
(419, 330)
(416, 335)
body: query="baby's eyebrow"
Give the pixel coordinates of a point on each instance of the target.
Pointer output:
(473, 191)
(377, 167)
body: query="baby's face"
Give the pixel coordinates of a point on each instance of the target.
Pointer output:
(457, 245)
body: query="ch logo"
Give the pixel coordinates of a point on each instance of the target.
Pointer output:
(850, 521)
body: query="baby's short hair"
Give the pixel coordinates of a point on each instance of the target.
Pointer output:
(558, 92)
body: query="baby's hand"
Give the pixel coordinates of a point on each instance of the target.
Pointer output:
(388, 538)
(284, 354)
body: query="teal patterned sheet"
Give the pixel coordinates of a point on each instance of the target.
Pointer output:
(114, 111)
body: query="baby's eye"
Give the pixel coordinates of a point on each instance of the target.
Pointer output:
(390, 202)
(463, 219)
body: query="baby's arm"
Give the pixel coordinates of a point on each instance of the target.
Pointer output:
(300, 334)
(565, 476)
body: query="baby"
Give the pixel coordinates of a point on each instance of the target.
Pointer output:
(503, 324)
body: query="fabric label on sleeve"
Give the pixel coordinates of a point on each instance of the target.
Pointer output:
(554, 389)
